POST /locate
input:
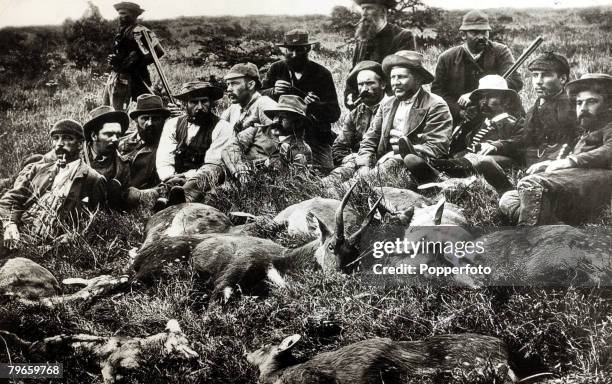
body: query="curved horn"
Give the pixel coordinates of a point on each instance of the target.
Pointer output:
(340, 214)
(355, 236)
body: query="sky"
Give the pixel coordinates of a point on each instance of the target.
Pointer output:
(51, 12)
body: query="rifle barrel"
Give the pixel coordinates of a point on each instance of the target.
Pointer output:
(526, 53)
(158, 66)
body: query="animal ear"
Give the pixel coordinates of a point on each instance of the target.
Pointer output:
(407, 215)
(323, 230)
(439, 211)
(288, 343)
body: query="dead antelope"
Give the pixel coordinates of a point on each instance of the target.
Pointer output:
(299, 217)
(115, 355)
(385, 361)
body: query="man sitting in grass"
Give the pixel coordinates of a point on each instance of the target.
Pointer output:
(275, 145)
(576, 187)
(46, 191)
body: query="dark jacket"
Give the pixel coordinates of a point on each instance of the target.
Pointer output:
(355, 125)
(318, 80)
(116, 170)
(457, 74)
(594, 149)
(390, 39)
(141, 158)
(36, 178)
(429, 127)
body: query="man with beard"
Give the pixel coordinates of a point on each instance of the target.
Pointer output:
(189, 152)
(129, 77)
(410, 128)
(275, 145)
(47, 191)
(140, 147)
(375, 39)
(368, 77)
(297, 75)
(460, 68)
(102, 132)
(573, 188)
(248, 105)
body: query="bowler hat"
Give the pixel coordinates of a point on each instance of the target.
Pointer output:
(366, 65)
(296, 38)
(130, 7)
(244, 70)
(408, 59)
(550, 61)
(199, 89)
(385, 3)
(69, 126)
(105, 114)
(497, 85)
(588, 80)
(288, 103)
(475, 21)
(150, 105)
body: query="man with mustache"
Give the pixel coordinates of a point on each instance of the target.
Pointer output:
(460, 68)
(368, 77)
(46, 191)
(275, 145)
(189, 153)
(375, 39)
(129, 77)
(573, 188)
(248, 105)
(102, 132)
(298, 75)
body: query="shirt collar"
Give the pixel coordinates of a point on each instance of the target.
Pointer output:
(475, 56)
(412, 99)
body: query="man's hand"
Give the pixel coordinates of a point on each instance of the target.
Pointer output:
(111, 59)
(11, 236)
(538, 167)
(243, 177)
(178, 179)
(394, 139)
(487, 149)
(311, 98)
(282, 87)
(175, 110)
(559, 164)
(464, 100)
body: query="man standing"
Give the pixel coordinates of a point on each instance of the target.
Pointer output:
(280, 143)
(297, 75)
(130, 77)
(460, 68)
(102, 132)
(189, 152)
(368, 77)
(376, 38)
(248, 105)
(572, 188)
(47, 191)
(414, 126)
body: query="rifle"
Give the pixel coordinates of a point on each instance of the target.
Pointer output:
(526, 53)
(158, 66)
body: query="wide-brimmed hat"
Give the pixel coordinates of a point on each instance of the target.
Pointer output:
(130, 7)
(497, 85)
(409, 59)
(475, 21)
(244, 70)
(586, 81)
(199, 89)
(296, 38)
(550, 61)
(102, 115)
(69, 126)
(366, 65)
(385, 3)
(288, 103)
(150, 105)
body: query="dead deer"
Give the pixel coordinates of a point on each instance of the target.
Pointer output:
(115, 355)
(299, 217)
(382, 360)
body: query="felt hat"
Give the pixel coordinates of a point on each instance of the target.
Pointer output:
(296, 38)
(69, 126)
(385, 3)
(130, 7)
(288, 103)
(588, 80)
(198, 89)
(102, 115)
(408, 59)
(475, 21)
(150, 105)
(497, 85)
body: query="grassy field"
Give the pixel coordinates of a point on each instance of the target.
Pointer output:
(564, 331)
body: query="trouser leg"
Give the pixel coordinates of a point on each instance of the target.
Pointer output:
(208, 176)
(509, 205)
(321, 155)
(491, 170)
(420, 169)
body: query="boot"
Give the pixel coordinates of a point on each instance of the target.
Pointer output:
(137, 196)
(530, 211)
(176, 195)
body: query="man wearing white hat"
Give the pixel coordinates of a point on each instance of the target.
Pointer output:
(573, 188)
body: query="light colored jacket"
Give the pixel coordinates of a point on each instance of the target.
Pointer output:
(254, 112)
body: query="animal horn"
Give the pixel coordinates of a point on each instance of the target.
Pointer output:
(355, 236)
(340, 214)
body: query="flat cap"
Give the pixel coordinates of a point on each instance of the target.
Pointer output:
(550, 61)
(365, 66)
(244, 70)
(69, 126)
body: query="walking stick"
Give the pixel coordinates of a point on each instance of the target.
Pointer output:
(157, 64)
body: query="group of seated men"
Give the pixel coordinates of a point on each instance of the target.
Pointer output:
(458, 129)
